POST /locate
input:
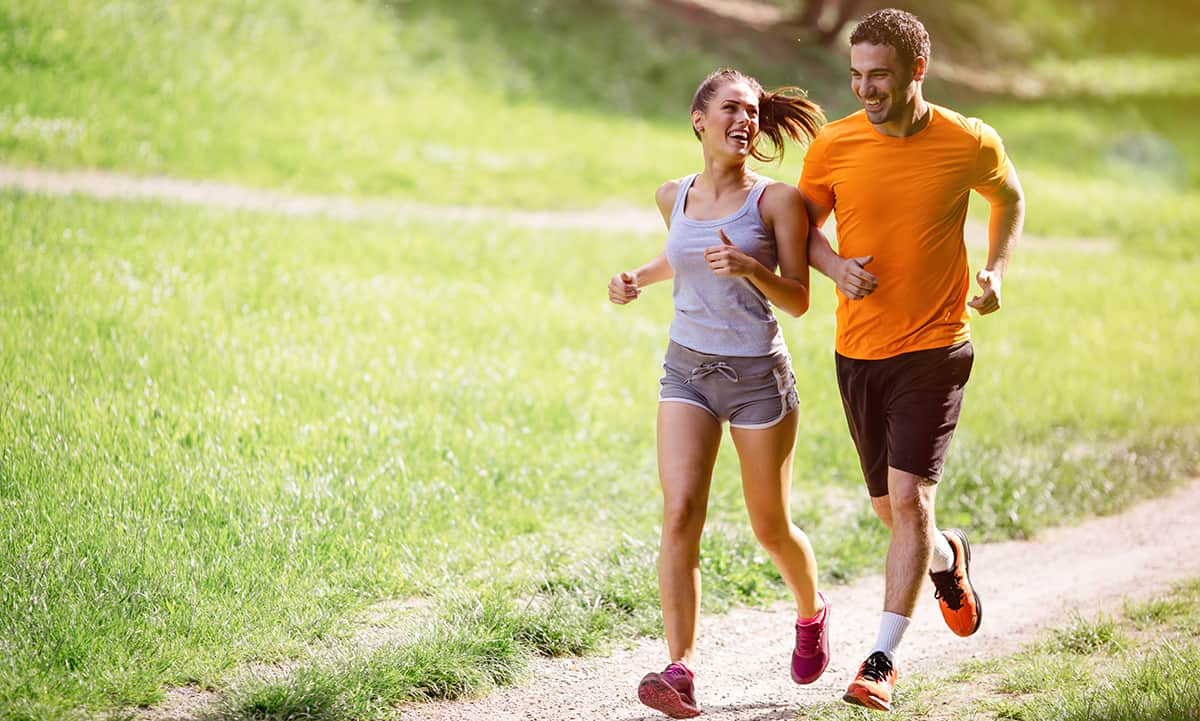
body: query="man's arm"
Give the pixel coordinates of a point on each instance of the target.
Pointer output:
(1005, 221)
(852, 279)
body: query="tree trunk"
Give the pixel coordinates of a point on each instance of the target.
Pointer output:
(827, 33)
(847, 12)
(810, 16)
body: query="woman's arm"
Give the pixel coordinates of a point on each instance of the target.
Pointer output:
(627, 285)
(783, 213)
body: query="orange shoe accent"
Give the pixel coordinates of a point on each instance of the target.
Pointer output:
(872, 687)
(959, 603)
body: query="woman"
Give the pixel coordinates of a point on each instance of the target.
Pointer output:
(729, 230)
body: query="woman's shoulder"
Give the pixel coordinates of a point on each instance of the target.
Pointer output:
(780, 199)
(778, 191)
(671, 186)
(667, 192)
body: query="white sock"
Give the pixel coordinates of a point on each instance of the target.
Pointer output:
(943, 555)
(891, 629)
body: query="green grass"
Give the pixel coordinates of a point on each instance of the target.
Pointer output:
(1126, 168)
(226, 435)
(479, 102)
(1139, 668)
(472, 650)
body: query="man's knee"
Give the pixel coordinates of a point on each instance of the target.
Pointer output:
(909, 495)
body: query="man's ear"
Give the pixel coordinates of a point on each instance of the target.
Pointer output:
(920, 65)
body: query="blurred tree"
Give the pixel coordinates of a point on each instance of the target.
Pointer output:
(824, 20)
(982, 32)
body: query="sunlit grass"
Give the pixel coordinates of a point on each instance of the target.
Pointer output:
(1118, 76)
(1106, 669)
(462, 104)
(1124, 166)
(407, 99)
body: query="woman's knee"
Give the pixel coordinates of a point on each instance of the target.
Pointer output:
(683, 518)
(773, 531)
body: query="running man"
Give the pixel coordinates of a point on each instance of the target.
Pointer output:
(898, 175)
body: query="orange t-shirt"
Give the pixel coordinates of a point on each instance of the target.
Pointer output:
(904, 201)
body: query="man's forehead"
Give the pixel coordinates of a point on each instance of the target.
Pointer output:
(872, 55)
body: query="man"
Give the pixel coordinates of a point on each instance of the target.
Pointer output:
(898, 174)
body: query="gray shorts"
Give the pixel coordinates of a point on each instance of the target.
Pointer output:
(749, 392)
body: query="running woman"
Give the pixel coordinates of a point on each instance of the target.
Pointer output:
(898, 175)
(736, 246)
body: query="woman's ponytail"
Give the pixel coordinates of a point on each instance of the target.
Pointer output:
(786, 111)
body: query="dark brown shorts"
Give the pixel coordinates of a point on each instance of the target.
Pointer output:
(902, 411)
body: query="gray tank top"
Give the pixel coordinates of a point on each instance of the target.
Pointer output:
(721, 315)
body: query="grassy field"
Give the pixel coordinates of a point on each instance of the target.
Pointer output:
(469, 103)
(225, 436)
(462, 103)
(1138, 666)
(1122, 164)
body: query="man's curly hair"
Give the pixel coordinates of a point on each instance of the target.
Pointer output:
(900, 29)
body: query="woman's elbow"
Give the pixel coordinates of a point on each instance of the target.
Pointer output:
(798, 307)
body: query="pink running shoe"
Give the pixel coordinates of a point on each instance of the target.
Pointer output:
(671, 692)
(811, 654)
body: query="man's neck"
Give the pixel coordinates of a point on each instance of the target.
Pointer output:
(911, 122)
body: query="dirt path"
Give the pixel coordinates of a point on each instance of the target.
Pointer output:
(104, 184)
(109, 185)
(741, 671)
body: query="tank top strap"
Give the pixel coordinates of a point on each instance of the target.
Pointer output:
(685, 185)
(760, 187)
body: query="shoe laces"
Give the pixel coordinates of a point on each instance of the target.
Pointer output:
(949, 588)
(808, 638)
(876, 667)
(676, 672)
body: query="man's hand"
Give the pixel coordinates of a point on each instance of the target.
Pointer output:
(853, 279)
(989, 300)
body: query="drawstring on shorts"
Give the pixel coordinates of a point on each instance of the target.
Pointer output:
(714, 367)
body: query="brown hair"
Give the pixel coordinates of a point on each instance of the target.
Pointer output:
(902, 30)
(783, 111)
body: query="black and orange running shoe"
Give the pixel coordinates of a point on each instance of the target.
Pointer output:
(955, 594)
(872, 687)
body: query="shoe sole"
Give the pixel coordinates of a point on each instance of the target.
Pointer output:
(661, 696)
(811, 679)
(962, 538)
(805, 681)
(867, 701)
